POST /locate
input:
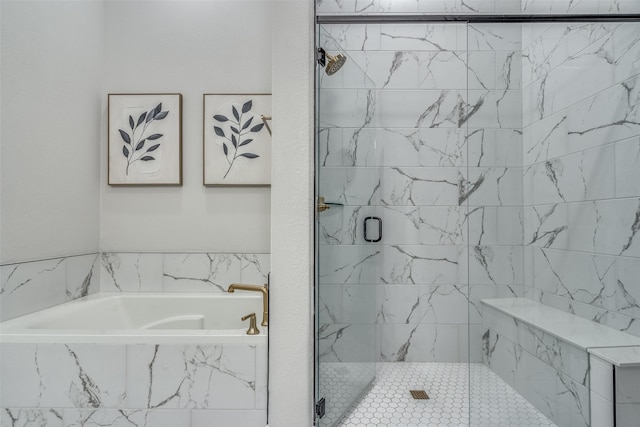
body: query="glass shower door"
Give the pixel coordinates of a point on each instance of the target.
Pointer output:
(349, 230)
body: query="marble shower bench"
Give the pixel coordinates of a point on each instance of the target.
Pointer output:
(544, 353)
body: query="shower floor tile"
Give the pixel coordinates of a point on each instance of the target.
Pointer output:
(493, 402)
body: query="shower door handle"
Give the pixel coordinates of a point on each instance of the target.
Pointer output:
(366, 233)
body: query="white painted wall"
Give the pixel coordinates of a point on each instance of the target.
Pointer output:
(190, 47)
(50, 131)
(291, 314)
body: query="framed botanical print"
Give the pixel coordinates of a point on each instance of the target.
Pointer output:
(237, 140)
(145, 139)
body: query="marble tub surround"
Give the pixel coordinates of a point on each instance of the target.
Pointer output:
(136, 384)
(31, 286)
(192, 272)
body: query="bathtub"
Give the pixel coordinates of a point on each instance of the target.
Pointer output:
(158, 318)
(161, 359)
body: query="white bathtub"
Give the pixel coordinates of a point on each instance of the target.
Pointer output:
(149, 318)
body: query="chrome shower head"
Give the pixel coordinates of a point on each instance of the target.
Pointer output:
(334, 63)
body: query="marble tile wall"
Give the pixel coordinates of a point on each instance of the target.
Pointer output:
(32, 286)
(551, 374)
(194, 272)
(581, 145)
(414, 106)
(70, 385)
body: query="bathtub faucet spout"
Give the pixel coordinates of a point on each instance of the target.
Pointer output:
(256, 288)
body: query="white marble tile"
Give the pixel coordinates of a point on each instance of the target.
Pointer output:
(627, 168)
(59, 375)
(495, 147)
(496, 225)
(31, 286)
(254, 268)
(491, 37)
(262, 372)
(204, 418)
(420, 108)
(626, 50)
(498, 265)
(429, 225)
(421, 186)
(126, 418)
(606, 117)
(444, 304)
(359, 303)
(83, 275)
(601, 411)
(482, 70)
(601, 378)
(421, 37)
(444, 70)
(626, 293)
(347, 343)
(348, 107)
(393, 69)
(579, 276)
(627, 385)
(130, 272)
(351, 186)
(419, 343)
(193, 376)
(330, 303)
(493, 187)
(589, 175)
(418, 264)
(27, 417)
(399, 304)
(350, 36)
(201, 272)
(349, 264)
(494, 109)
(627, 414)
(622, 357)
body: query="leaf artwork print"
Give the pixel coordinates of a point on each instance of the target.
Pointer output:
(238, 133)
(141, 136)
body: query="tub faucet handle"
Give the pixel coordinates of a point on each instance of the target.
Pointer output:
(253, 329)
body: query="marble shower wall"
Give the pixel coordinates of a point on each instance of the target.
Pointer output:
(581, 157)
(414, 106)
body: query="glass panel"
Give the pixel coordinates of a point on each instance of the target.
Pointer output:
(348, 261)
(556, 215)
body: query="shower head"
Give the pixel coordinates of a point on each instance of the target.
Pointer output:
(334, 63)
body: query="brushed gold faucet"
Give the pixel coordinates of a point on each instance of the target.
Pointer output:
(253, 329)
(256, 288)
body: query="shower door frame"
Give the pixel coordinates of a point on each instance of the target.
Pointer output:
(435, 18)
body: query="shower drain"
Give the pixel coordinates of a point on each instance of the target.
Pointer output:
(419, 394)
